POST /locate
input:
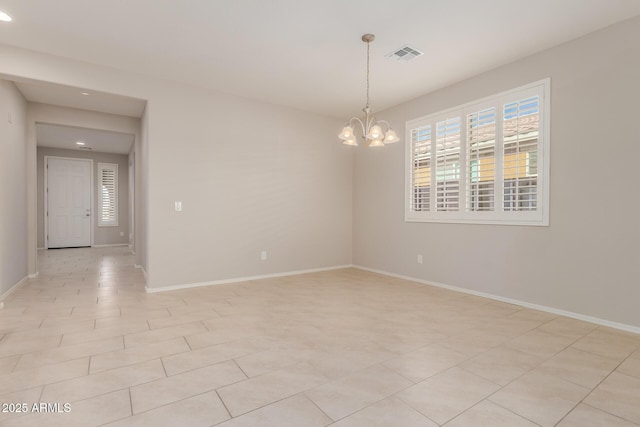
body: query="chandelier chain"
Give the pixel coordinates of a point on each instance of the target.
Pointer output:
(368, 45)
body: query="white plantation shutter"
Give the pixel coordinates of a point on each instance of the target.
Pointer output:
(482, 162)
(448, 164)
(108, 194)
(521, 123)
(420, 172)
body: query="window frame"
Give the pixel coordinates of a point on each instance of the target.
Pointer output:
(539, 217)
(101, 222)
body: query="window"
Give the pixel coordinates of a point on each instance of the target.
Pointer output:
(490, 160)
(107, 194)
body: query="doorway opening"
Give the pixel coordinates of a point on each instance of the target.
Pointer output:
(84, 180)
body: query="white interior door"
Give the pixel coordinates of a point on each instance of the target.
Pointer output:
(68, 203)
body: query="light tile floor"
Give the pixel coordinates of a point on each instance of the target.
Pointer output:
(346, 347)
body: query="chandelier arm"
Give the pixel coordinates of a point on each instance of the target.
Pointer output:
(380, 122)
(362, 126)
(371, 123)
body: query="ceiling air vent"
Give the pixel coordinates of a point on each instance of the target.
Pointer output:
(85, 148)
(405, 53)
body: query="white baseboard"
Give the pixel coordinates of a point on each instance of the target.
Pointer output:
(14, 287)
(34, 275)
(242, 279)
(110, 245)
(578, 316)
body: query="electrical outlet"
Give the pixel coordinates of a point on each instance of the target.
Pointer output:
(263, 255)
(178, 206)
(419, 259)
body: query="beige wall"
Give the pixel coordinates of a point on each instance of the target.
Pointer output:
(586, 261)
(251, 176)
(101, 235)
(13, 187)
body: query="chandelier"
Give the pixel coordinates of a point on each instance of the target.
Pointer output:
(371, 128)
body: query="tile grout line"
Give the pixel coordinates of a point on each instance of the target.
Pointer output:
(607, 412)
(598, 385)
(41, 393)
(304, 393)
(224, 404)
(187, 342)
(486, 379)
(510, 410)
(239, 367)
(501, 387)
(131, 401)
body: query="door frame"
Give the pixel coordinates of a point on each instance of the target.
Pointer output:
(46, 198)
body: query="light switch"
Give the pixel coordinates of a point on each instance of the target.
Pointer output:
(178, 206)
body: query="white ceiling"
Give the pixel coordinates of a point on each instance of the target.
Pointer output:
(57, 136)
(50, 93)
(305, 53)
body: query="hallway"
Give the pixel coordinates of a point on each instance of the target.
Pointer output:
(346, 347)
